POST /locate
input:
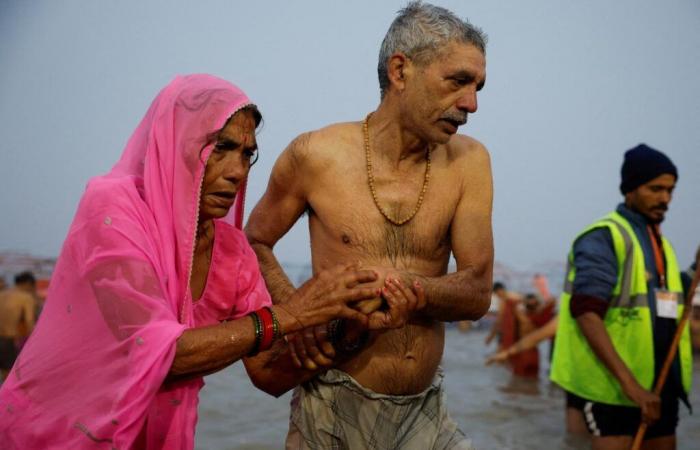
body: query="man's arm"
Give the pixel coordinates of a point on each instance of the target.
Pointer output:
(277, 211)
(593, 329)
(466, 293)
(28, 312)
(596, 275)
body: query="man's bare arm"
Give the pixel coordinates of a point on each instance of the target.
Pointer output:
(277, 211)
(466, 294)
(593, 329)
(28, 313)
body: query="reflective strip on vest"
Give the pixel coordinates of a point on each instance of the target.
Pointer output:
(623, 299)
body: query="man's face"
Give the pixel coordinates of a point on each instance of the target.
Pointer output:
(652, 198)
(439, 95)
(228, 166)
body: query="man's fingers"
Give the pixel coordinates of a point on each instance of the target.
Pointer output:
(352, 314)
(361, 294)
(379, 320)
(293, 351)
(360, 276)
(303, 355)
(656, 411)
(321, 334)
(420, 294)
(313, 353)
(406, 293)
(398, 307)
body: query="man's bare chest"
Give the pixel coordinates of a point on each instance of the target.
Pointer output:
(344, 213)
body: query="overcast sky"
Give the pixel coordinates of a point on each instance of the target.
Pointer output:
(571, 85)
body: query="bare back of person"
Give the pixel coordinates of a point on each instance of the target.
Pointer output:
(16, 307)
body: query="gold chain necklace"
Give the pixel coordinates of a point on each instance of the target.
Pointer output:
(370, 179)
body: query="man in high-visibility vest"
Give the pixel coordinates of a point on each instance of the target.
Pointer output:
(619, 312)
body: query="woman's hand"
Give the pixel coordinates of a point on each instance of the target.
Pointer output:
(326, 296)
(311, 349)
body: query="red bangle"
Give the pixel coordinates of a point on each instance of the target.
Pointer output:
(268, 327)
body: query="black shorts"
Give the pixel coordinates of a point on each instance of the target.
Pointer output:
(574, 401)
(8, 352)
(614, 420)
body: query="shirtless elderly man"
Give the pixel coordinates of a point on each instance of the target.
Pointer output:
(397, 192)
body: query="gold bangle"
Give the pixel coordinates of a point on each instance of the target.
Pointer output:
(277, 330)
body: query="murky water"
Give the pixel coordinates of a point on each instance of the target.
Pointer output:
(495, 409)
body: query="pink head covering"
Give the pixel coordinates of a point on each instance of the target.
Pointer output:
(91, 375)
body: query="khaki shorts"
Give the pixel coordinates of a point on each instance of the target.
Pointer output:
(333, 411)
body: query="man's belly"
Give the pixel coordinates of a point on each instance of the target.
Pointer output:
(401, 361)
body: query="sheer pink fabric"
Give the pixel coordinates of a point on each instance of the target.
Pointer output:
(91, 375)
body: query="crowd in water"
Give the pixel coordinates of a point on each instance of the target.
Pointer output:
(518, 322)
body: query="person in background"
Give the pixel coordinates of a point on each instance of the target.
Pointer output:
(619, 313)
(17, 318)
(512, 323)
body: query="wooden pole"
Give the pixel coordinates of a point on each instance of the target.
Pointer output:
(688, 307)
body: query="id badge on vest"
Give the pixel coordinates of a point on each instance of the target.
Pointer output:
(666, 304)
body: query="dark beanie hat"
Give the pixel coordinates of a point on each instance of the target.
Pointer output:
(641, 165)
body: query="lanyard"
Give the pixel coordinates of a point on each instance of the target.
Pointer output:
(658, 256)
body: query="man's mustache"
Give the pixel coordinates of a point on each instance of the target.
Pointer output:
(661, 206)
(458, 118)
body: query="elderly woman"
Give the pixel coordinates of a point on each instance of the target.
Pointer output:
(157, 286)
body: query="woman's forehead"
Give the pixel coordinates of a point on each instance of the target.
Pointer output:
(241, 128)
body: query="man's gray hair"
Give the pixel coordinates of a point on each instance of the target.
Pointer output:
(419, 31)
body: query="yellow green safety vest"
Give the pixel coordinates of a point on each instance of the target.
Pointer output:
(628, 321)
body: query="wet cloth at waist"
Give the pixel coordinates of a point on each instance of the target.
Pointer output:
(335, 411)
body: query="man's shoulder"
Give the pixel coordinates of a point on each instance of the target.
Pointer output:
(333, 136)
(462, 147)
(594, 240)
(18, 296)
(324, 144)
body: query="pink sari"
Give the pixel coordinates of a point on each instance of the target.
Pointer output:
(91, 375)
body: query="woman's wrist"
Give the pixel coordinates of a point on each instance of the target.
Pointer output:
(287, 322)
(266, 328)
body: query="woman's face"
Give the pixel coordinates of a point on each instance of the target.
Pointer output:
(228, 165)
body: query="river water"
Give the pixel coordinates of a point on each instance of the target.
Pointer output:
(492, 407)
